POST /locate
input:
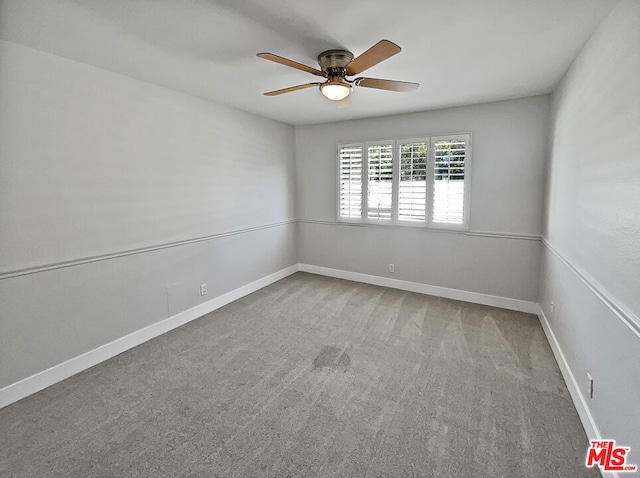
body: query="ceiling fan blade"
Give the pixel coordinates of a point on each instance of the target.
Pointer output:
(379, 52)
(391, 85)
(291, 88)
(291, 63)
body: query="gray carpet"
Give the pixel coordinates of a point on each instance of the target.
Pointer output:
(313, 376)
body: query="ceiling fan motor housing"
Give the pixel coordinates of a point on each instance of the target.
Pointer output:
(333, 62)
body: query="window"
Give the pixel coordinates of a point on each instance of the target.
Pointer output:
(350, 181)
(380, 181)
(412, 191)
(449, 180)
(419, 182)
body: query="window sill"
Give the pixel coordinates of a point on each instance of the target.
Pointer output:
(403, 225)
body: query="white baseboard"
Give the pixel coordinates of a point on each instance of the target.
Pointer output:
(590, 427)
(579, 401)
(474, 297)
(57, 373)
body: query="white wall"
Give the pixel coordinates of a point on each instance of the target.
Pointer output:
(591, 259)
(118, 198)
(500, 255)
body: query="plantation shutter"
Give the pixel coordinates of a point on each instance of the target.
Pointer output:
(449, 179)
(412, 190)
(350, 181)
(380, 181)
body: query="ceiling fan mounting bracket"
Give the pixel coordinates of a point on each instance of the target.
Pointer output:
(334, 61)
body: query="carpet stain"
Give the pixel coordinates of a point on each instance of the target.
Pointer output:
(332, 357)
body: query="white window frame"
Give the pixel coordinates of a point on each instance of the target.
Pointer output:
(467, 183)
(362, 190)
(365, 182)
(396, 215)
(395, 221)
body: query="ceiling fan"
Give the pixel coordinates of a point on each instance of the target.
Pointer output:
(336, 65)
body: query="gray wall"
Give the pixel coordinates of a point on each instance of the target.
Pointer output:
(105, 183)
(507, 183)
(591, 259)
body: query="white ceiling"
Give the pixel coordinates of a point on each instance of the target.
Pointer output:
(460, 51)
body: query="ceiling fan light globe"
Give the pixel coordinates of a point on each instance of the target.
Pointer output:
(335, 91)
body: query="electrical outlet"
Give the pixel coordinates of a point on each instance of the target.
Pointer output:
(590, 384)
(392, 268)
(553, 304)
(203, 289)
